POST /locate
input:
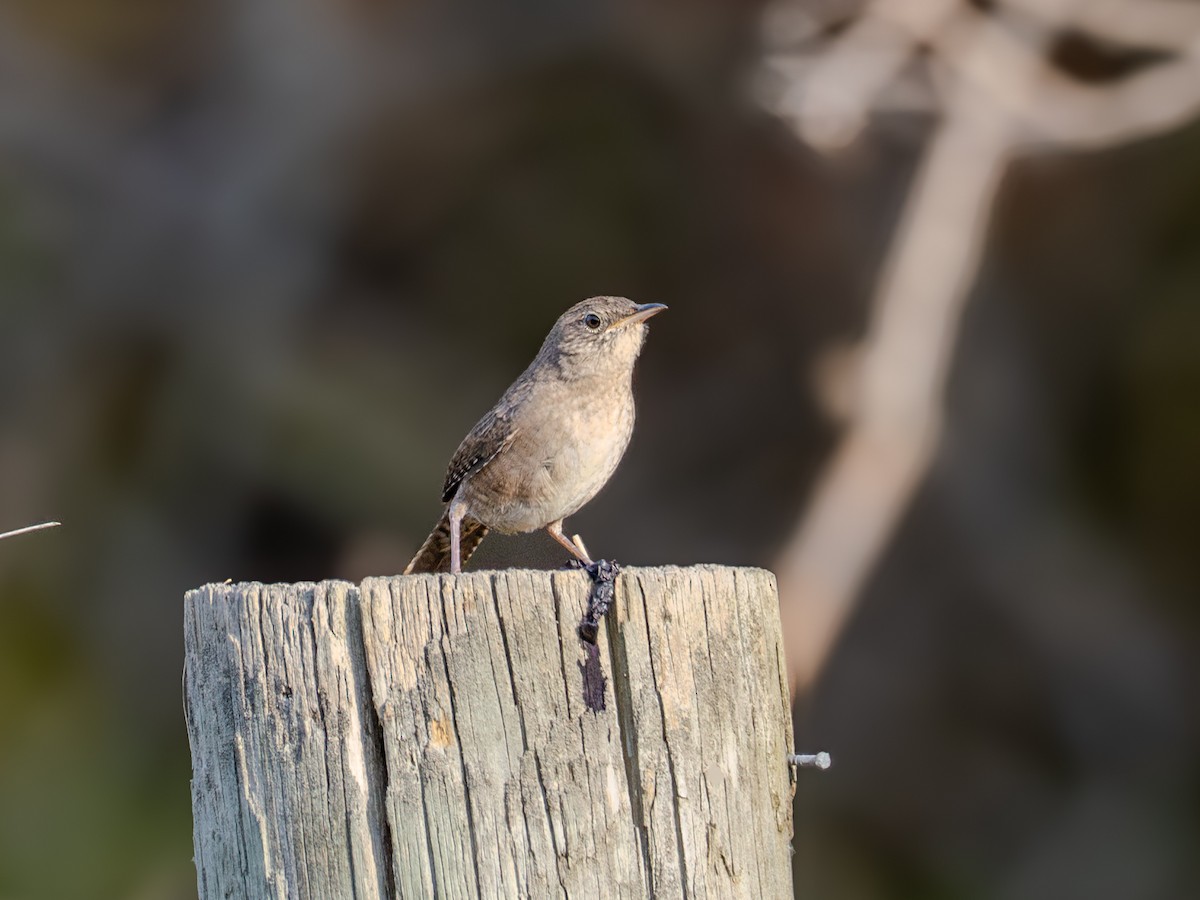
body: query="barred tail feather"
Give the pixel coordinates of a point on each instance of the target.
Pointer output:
(434, 555)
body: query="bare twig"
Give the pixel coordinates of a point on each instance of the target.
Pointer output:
(1018, 80)
(1000, 96)
(831, 104)
(896, 423)
(1170, 25)
(29, 528)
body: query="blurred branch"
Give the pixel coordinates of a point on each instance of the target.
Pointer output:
(999, 95)
(896, 423)
(831, 104)
(1170, 25)
(28, 528)
(1054, 107)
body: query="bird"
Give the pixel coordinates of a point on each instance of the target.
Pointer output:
(552, 440)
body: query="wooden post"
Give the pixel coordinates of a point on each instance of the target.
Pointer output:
(427, 736)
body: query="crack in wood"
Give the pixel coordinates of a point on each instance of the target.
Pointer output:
(680, 789)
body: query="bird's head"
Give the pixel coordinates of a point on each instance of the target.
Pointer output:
(600, 334)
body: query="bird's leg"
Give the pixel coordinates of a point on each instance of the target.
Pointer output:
(554, 529)
(458, 509)
(579, 545)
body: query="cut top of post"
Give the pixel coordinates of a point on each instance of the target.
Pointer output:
(431, 735)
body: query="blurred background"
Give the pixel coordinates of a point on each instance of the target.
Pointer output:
(932, 355)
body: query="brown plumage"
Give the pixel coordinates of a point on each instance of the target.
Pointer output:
(552, 440)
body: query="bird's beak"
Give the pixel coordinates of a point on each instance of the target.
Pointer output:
(641, 314)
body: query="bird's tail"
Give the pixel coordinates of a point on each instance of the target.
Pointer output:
(434, 555)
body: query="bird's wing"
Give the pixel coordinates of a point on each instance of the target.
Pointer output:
(490, 437)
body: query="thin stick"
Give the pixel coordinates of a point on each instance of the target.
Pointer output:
(29, 528)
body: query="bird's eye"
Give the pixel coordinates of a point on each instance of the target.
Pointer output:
(592, 321)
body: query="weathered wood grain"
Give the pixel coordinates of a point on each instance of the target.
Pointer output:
(427, 736)
(287, 777)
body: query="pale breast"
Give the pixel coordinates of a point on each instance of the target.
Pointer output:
(567, 446)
